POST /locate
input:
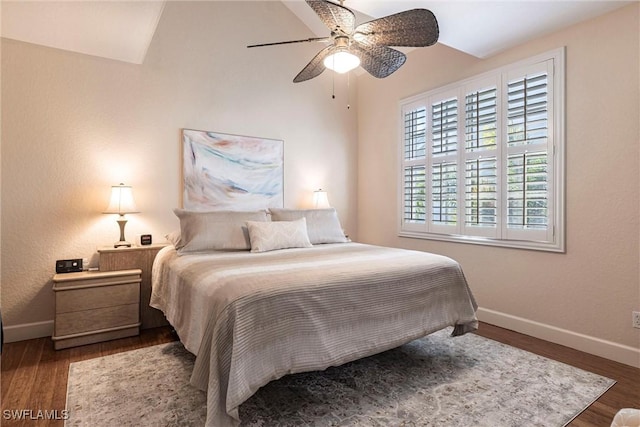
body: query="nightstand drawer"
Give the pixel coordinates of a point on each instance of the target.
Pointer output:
(93, 320)
(94, 279)
(142, 257)
(96, 306)
(89, 298)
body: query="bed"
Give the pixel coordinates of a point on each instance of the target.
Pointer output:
(252, 315)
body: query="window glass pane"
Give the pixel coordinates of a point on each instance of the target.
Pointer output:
(444, 193)
(415, 134)
(414, 194)
(481, 119)
(481, 192)
(527, 180)
(444, 119)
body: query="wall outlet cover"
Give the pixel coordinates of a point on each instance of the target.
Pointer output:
(636, 319)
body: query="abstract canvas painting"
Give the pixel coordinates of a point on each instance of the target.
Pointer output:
(231, 172)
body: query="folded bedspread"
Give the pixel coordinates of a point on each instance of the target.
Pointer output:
(254, 317)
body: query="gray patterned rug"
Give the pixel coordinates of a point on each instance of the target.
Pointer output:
(433, 381)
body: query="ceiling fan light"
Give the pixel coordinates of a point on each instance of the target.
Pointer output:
(342, 62)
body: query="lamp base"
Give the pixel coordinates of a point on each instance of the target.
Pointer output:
(122, 244)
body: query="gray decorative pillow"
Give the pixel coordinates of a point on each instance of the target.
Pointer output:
(211, 231)
(323, 225)
(173, 237)
(269, 236)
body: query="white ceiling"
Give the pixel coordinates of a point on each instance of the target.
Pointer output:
(110, 29)
(478, 27)
(123, 30)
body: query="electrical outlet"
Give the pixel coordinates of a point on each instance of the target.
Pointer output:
(636, 319)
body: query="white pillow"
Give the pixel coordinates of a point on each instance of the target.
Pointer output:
(219, 230)
(323, 225)
(269, 236)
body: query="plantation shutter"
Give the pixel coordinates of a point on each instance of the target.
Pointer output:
(482, 159)
(481, 169)
(443, 164)
(481, 193)
(414, 191)
(414, 194)
(481, 119)
(529, 152)
(444, 119)
(415, 134)
(444, 193)
(527, 179)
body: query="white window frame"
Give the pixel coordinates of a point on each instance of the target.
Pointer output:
(553, 238)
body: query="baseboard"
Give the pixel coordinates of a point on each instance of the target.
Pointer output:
(588, 344)
(27, 331)
(592, 345)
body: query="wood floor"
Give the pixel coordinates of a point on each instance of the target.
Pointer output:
(34, 375)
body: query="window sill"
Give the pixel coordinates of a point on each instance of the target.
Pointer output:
(557, 246)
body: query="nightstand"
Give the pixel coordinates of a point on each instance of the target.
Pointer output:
(96, 306)
(140, 257)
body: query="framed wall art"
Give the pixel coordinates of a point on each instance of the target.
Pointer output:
(231, 172)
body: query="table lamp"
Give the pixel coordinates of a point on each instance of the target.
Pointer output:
(121, 203)
(320, 199)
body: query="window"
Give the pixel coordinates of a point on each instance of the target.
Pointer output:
(483, 158)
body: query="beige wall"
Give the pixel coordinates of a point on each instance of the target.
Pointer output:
(73, 125)
(593, 288)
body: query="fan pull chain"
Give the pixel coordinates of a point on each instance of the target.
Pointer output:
(348, 90)
(333, 88)
(333, 85)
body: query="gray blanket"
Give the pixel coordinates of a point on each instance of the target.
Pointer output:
(254, 317)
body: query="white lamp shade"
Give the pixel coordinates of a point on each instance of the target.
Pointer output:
(320, 199)
(341, 61)
(121, 200)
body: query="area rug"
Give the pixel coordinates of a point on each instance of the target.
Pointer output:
(434, 381)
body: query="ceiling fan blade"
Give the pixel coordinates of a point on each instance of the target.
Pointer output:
(379, 61)
(337, 18)
(315, 67)
(415, 27)
(313, 39)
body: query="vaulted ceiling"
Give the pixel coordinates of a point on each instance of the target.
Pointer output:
(123, 30)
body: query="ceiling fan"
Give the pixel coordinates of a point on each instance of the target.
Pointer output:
(367, 44)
